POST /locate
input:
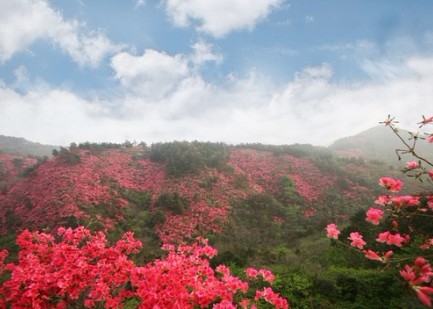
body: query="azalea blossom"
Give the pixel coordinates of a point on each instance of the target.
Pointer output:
(418, 274)
(357, 240)
(79, 267)
(425, 120)
(391, 239)
(391, 184)
(251, 273)
(267, 275)
(374, 215)
(371, 255)
(411, 165)
(423, 293)
(383, 200)
(388, 254)
(430, 138)
(332, 230)
(405, 200)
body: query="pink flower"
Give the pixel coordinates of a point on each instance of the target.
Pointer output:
(388, 254)
(357, 240)
(369, 254)
(374, 215)
(430, 138)
(382, 237)
(267, 275)
(391, 184)
(391, 239)
(411, 165)
(426, 120)
(423, 293)
(395, 240)
(383, 200)
(251, 273)
(332, 230)
(405, 200)
(430, 173)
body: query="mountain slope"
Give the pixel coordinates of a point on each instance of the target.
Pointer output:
(377, 143)
(24, 147)
(109, 186)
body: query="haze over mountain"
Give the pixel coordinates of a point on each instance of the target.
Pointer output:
(380, 143)
(24, 147)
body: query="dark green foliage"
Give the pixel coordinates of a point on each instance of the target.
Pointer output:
(286, 193)
(32, 169)
(296, 150)
(230, 258)
(11, 219)
(140, 199)
(252, 232)
(138, 218)
(2, 173)
(96, 148)
(156, 218)
(18, 163)
(174, 203)
(208, 182)
(69, 156)
(185, 158)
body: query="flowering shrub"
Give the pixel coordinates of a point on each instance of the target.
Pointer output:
(402, 209)
(76, 268)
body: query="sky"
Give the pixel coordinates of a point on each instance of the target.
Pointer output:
(233, 71)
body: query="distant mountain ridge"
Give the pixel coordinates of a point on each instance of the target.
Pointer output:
(16, 145)
(378, 143)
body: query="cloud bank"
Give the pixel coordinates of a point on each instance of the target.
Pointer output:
(160, 96)
(23, 22)
(164, 98)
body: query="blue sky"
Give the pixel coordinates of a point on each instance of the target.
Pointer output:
(237, 71)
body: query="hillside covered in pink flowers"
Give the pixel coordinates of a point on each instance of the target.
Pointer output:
(101, 184)
(258, 205)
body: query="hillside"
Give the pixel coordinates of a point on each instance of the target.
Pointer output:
(24, 147)
(377, 143)
(180, 186)
(260, 206)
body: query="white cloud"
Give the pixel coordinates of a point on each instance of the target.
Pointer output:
(23, 22)
(311, 108)
(203, 53)
(219, 17)
(153, 74)
(139, 3)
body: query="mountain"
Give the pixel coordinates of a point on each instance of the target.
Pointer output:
(180, 190)
(259, 205)
(24, 147)
(378, 143)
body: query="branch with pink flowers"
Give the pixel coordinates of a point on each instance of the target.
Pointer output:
(398, 209)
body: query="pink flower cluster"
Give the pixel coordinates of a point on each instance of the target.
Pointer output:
(374, 215)
(266, 274)
(356, 240)
(418, 275)
(78, 269)
(392, 239)
(391, 184)
(332, 231)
